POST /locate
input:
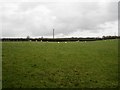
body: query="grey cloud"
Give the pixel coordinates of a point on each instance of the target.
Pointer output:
(38, 19)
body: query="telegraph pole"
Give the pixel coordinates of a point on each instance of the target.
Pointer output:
(53, 33)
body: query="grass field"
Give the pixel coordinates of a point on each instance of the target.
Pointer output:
(60, 65)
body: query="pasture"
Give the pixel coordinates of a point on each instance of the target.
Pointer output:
(60, 65)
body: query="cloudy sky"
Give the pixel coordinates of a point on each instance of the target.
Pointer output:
(69, 18)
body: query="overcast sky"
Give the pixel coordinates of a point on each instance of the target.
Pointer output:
(71, 18)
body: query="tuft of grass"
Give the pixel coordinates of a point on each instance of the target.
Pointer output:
(60, 65)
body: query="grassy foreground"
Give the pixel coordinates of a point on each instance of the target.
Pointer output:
(60, 65)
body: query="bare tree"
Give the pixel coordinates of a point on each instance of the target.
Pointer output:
(28, 38)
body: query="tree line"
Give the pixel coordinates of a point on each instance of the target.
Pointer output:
(61, 39)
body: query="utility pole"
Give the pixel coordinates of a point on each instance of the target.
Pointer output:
(53, 33)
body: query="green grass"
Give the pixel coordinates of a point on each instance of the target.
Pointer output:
(0, 65)
(60, 65)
